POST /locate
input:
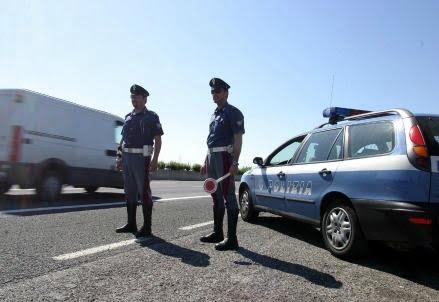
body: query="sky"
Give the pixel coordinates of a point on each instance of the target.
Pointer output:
(283, 60)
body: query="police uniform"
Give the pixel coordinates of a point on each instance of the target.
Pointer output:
(138, 134)
(224, 124)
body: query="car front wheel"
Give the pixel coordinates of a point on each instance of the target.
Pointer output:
(341, 231)
(248, 212)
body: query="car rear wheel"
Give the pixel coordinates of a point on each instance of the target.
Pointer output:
(248, 212)
(341, 231)
(50, 186)
(4, 187)
(90, 190)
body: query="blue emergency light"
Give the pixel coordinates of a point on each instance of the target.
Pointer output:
(336, 114)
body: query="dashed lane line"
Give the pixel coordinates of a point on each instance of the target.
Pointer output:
(112, 246)
(194, 226)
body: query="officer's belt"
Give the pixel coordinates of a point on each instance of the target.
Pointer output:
(228, 148)
(146, 150)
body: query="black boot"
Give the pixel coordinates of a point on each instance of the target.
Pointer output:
(131, 226)
(217, 235)
(231, 242)
(145, 231)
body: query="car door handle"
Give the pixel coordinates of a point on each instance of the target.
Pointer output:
(281, 174)
(325, 172)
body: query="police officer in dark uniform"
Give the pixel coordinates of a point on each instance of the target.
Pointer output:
(224, 144)
(141, 141)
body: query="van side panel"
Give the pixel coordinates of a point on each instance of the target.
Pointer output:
(79, 139)
(95, 135)
(94, 162)
(52, 132)
(7, 109)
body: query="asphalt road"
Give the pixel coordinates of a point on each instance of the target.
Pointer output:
(69, 251)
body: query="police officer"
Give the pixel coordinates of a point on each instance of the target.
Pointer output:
(141, 141)
(224, 144)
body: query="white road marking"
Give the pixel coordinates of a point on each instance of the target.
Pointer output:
(94, 250)
(85, 206)
(194, 226)
(112, 246)
(64, 190)
(199, 225)
(116, 245)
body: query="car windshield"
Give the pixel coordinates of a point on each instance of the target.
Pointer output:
(430, 128)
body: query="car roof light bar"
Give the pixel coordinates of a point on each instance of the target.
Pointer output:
(336, 114)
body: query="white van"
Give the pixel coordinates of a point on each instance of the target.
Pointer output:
(46, 142)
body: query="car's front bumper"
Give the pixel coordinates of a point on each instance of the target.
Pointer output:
(394, 221)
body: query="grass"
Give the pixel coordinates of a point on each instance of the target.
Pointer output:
(176, 166)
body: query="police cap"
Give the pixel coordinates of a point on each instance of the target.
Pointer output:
(138, 90)
(218, 83)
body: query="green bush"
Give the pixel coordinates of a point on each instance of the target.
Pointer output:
(176, 166)
(243, 170)
(196, 167)
(161, 165)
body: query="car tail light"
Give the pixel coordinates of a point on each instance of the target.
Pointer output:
(14, 155)
(420, 220)
(419, 147)
(416, 135)
(421, 151)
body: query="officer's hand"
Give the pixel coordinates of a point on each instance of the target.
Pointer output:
(203, 170)
(233, 170)
(153, 165)
(118, 164)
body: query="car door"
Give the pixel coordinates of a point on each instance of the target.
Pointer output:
(270, 178)
(313, 172)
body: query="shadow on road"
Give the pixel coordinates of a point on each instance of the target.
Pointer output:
(312, 275)
(70, 202)
(292, 228)
(166, 248)
(419, 265)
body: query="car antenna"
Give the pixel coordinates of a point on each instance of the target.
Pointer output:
(332, 90)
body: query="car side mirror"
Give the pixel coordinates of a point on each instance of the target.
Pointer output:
(259, 161)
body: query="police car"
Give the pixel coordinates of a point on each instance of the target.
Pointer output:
(361, 176)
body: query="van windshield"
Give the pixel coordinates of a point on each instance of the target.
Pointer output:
(430, 128)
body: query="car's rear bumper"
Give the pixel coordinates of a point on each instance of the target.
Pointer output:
(394, 221)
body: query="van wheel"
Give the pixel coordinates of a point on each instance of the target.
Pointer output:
(90, 190)
(248, 212)
(4, 187)
(341, 231)
(49, 187)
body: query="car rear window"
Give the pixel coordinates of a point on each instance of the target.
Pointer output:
(372, 139)
(430, 128)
